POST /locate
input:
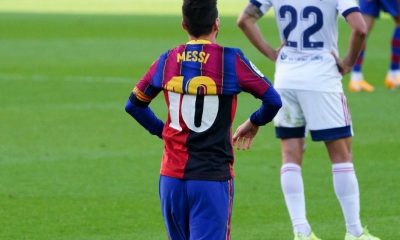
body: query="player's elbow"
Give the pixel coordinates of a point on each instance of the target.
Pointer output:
(241, 22)
(274, 99)
(128, 106)
(358, 24)
(134, 105)
(360, 29)
(132, 109)
(276, 105)
(361, 32)
(273, 106)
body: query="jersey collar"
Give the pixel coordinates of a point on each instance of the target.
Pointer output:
(199, 41)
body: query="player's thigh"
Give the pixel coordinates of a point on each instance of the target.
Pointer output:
(370, 7)
(327, 115)
(210, 209)
(369, 20)
(174, 207)
(289, 121)
(391, 6)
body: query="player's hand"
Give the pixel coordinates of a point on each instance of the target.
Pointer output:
(342, 66)
(274, 55)
(244, 135)
(275, 52)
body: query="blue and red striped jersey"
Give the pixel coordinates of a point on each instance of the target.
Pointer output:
(200, 81)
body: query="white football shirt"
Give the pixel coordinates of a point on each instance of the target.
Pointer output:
(309, 30)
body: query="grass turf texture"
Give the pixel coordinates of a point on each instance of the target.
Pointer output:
(74, 166)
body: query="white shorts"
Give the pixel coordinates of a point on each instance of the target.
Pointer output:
(325, 114)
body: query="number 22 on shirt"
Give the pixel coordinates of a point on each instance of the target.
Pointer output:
(309, 13)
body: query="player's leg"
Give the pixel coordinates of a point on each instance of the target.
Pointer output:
(370, 11)
(174, 207)
(346, 188)
(290, 128)
(392, 80)
(210, 204)
(292, 185)
(345, 183)
(329, 121)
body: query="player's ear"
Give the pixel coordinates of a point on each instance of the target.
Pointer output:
(184, 26)
(216, 24)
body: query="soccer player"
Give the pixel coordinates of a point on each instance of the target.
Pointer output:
(200, 81)
(308, 77)
(370, 10)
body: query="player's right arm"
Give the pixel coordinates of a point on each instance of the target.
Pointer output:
(138, 103)
(357, 37)
(247, 22)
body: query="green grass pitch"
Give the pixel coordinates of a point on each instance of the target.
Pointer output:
(75, 166)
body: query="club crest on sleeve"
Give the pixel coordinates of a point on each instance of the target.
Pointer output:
(255, 69)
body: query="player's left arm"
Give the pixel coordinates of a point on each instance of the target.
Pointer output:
(245, 133)
(138, 104)
(247, 22)
(253, 81)
(357, 37)
(271, 103)
(358, 26)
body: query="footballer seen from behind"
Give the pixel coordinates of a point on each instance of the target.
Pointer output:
(200, 81)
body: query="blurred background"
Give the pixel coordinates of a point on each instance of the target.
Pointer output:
(74, 165)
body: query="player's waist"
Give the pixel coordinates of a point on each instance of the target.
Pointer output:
(311, 59)
(306, 52)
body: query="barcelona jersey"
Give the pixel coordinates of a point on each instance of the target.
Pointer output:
(200, 81)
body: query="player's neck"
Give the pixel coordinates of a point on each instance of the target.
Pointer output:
(210, 38)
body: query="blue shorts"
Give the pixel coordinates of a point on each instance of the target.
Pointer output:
(373, 7)
(196, 209)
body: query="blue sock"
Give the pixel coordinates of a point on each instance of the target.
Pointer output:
(358, 64)
(395, 58)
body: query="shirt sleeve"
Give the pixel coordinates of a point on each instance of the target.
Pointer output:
(145, 91)
(250, 79)
(263, 5)
(253, 81)
(145, 117)
(141, 96)
(345, 7)
(271, 103)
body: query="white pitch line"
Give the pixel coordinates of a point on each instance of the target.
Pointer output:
(68, 78)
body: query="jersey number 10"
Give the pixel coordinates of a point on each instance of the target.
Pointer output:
(198, 110)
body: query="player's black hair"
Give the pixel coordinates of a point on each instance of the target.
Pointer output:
(199, 16)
